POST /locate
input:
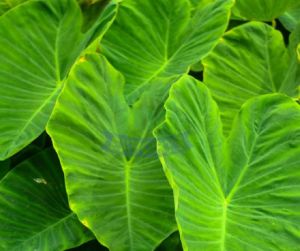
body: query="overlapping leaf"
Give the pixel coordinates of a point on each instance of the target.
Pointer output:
(291, 18)
(250, 60)
(34, 210)
(266, 10)
(162, 38)
(39, 41)
(239, 194)
(114, 179)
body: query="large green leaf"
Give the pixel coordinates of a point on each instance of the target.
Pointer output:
(34, 210)
(162, 38)
(239, 194)
(250, 60)
(263, 10)
(114, 179)
(39, 42)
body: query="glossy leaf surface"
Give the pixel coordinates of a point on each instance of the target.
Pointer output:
(114, 179)
(249, 61)
(162, 38)
(39, 42)
(236, 194)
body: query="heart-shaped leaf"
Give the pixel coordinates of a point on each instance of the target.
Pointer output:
(162, 38)
(250, 60)
(242, 193)
(34, 210)
(114, 179)
(39, 42)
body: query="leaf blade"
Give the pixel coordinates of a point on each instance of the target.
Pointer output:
(258, 173)
(266, 10)
(165, 45)
(34, 64)
(34, 207)
(109, 149)
(232, 75)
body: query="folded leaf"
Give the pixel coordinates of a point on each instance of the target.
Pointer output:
(39, 42)
(34, 210)
(162, 38)
(250, 60)
(266, 10)
(239, 194)
(114, 179)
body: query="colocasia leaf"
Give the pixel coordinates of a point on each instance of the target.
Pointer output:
(162, 38)
(6, 5)
(34, 212)
(39, 42)
(114, 179)
(242, 193)
(249, 61)
(262, 10)
(291, 17)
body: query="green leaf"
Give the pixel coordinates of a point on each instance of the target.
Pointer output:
(6, 5)
(250, 60)
(172, 243)
(291, 18)
(4, 168)
(197, 3)
(198, 67)
(114, 179)
(39, 42)
(266, 10)
(34, 210)
(238, 194)
(162, 38)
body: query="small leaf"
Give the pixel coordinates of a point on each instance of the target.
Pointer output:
(291, 18)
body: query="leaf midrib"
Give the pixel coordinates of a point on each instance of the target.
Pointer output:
(128, 166)
(29, 121)
(267, 54)
(169, 58)
(243, 171)
(58, 84)
(232, 192)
